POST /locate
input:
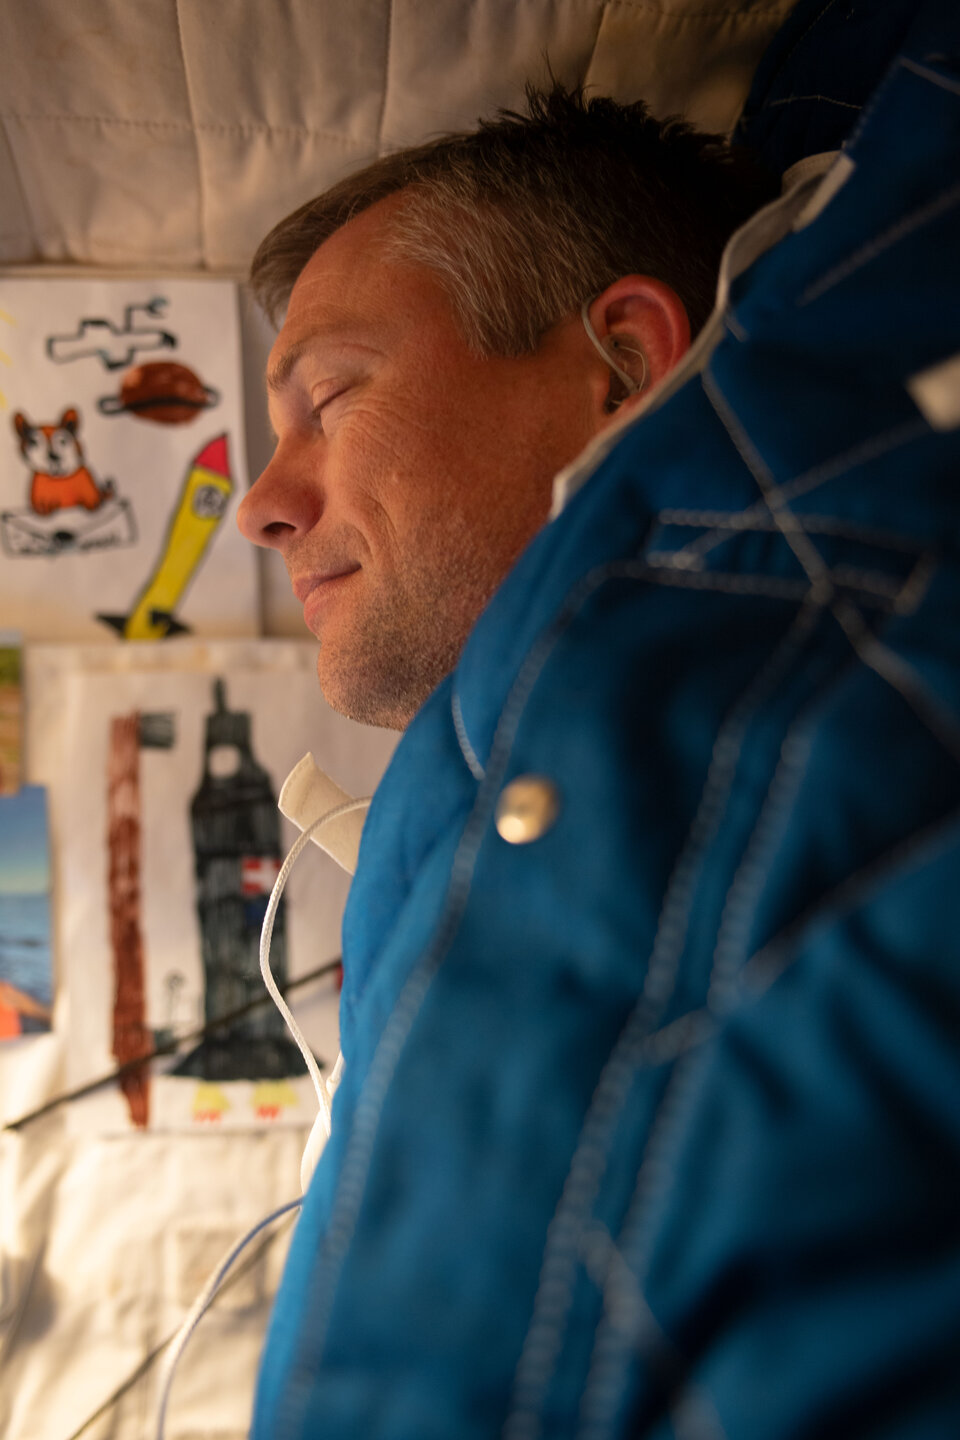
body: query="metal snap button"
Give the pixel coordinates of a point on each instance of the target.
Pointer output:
(526, 809)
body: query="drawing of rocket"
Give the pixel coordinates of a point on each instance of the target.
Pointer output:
(272, 1097)
(209, 1103)
(200, 507)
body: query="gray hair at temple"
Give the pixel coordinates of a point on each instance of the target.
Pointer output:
(529, 215)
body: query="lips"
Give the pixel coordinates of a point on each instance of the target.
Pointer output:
(313, 590)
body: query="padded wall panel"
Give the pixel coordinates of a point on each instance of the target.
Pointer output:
(89, 58)
(451, 64)
(252, 178)
(95, 110)
(16, 224)
(146, 213)
(290, 65)
(284, 98)
(172, 133)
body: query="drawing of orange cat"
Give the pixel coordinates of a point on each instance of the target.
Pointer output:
(55, 455)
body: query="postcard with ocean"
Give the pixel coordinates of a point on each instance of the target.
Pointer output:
(26, 972)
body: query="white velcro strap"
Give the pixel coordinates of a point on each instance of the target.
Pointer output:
(307, 794)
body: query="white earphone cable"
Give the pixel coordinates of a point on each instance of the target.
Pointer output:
(323, 1088)
(633, 386)
(266, 935)
(202, 1304)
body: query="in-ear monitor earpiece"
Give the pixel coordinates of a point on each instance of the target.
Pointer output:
(633, 387)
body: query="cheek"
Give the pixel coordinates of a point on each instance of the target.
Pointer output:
(380, 461)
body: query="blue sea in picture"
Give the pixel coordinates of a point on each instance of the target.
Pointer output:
(25, 944)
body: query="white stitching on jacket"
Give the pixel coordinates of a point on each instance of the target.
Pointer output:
(771, 587)
(396, 1030)
(876, 656)
(655, 1175)
(767, 964)
(612, 1342)
(931, 75)
(900, 676)
(872, 582)
(694, 1416)
(827, 99)
(763, 523)
(905, 226)
(741, 899)
(543, 1342)
(463, 739)
(788, 523)
(804, 484)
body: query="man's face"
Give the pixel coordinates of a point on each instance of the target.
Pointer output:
(408, 474)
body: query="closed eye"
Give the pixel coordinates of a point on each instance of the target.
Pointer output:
(316, 414)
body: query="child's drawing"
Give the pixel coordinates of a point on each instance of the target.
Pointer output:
(162, 391)
(131, 1037)
(107, 396)
(26, 978)
(272, 1097)
(200, 507)
(209, 1104)
(235, 827)
(170, 758)
(115, 346)
(68, 508)
(59, 476)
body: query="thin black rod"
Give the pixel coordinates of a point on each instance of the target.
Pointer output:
(171, 1047)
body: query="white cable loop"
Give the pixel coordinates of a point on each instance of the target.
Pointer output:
(323, 1088)
(266, 934)
(633, 386)
(200, 1306)
(336, 1075)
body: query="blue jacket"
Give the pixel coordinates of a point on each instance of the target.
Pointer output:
(651, 1126)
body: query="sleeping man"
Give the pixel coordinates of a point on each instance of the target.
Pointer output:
(610, 1156)
(434, 371)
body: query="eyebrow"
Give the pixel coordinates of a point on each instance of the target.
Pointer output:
(278, 376)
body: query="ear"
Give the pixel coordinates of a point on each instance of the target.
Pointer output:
(22, 425)
(644, 325)
(70, 420)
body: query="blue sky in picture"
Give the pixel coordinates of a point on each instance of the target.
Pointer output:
(24, 851)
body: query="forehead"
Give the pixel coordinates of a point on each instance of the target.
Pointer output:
(352, 293)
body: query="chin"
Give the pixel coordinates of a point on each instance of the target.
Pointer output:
(379, 667)
(344, 689)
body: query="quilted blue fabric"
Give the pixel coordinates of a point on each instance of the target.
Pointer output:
(652, 1127)
(820, 70)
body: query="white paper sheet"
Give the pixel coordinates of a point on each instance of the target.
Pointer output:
(177, 979)
(122, 460)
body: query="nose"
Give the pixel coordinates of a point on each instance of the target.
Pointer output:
(282, 506)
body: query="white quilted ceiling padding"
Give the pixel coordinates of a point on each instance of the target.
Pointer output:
(173, 133)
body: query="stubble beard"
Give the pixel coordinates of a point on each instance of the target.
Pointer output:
(385, 661)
